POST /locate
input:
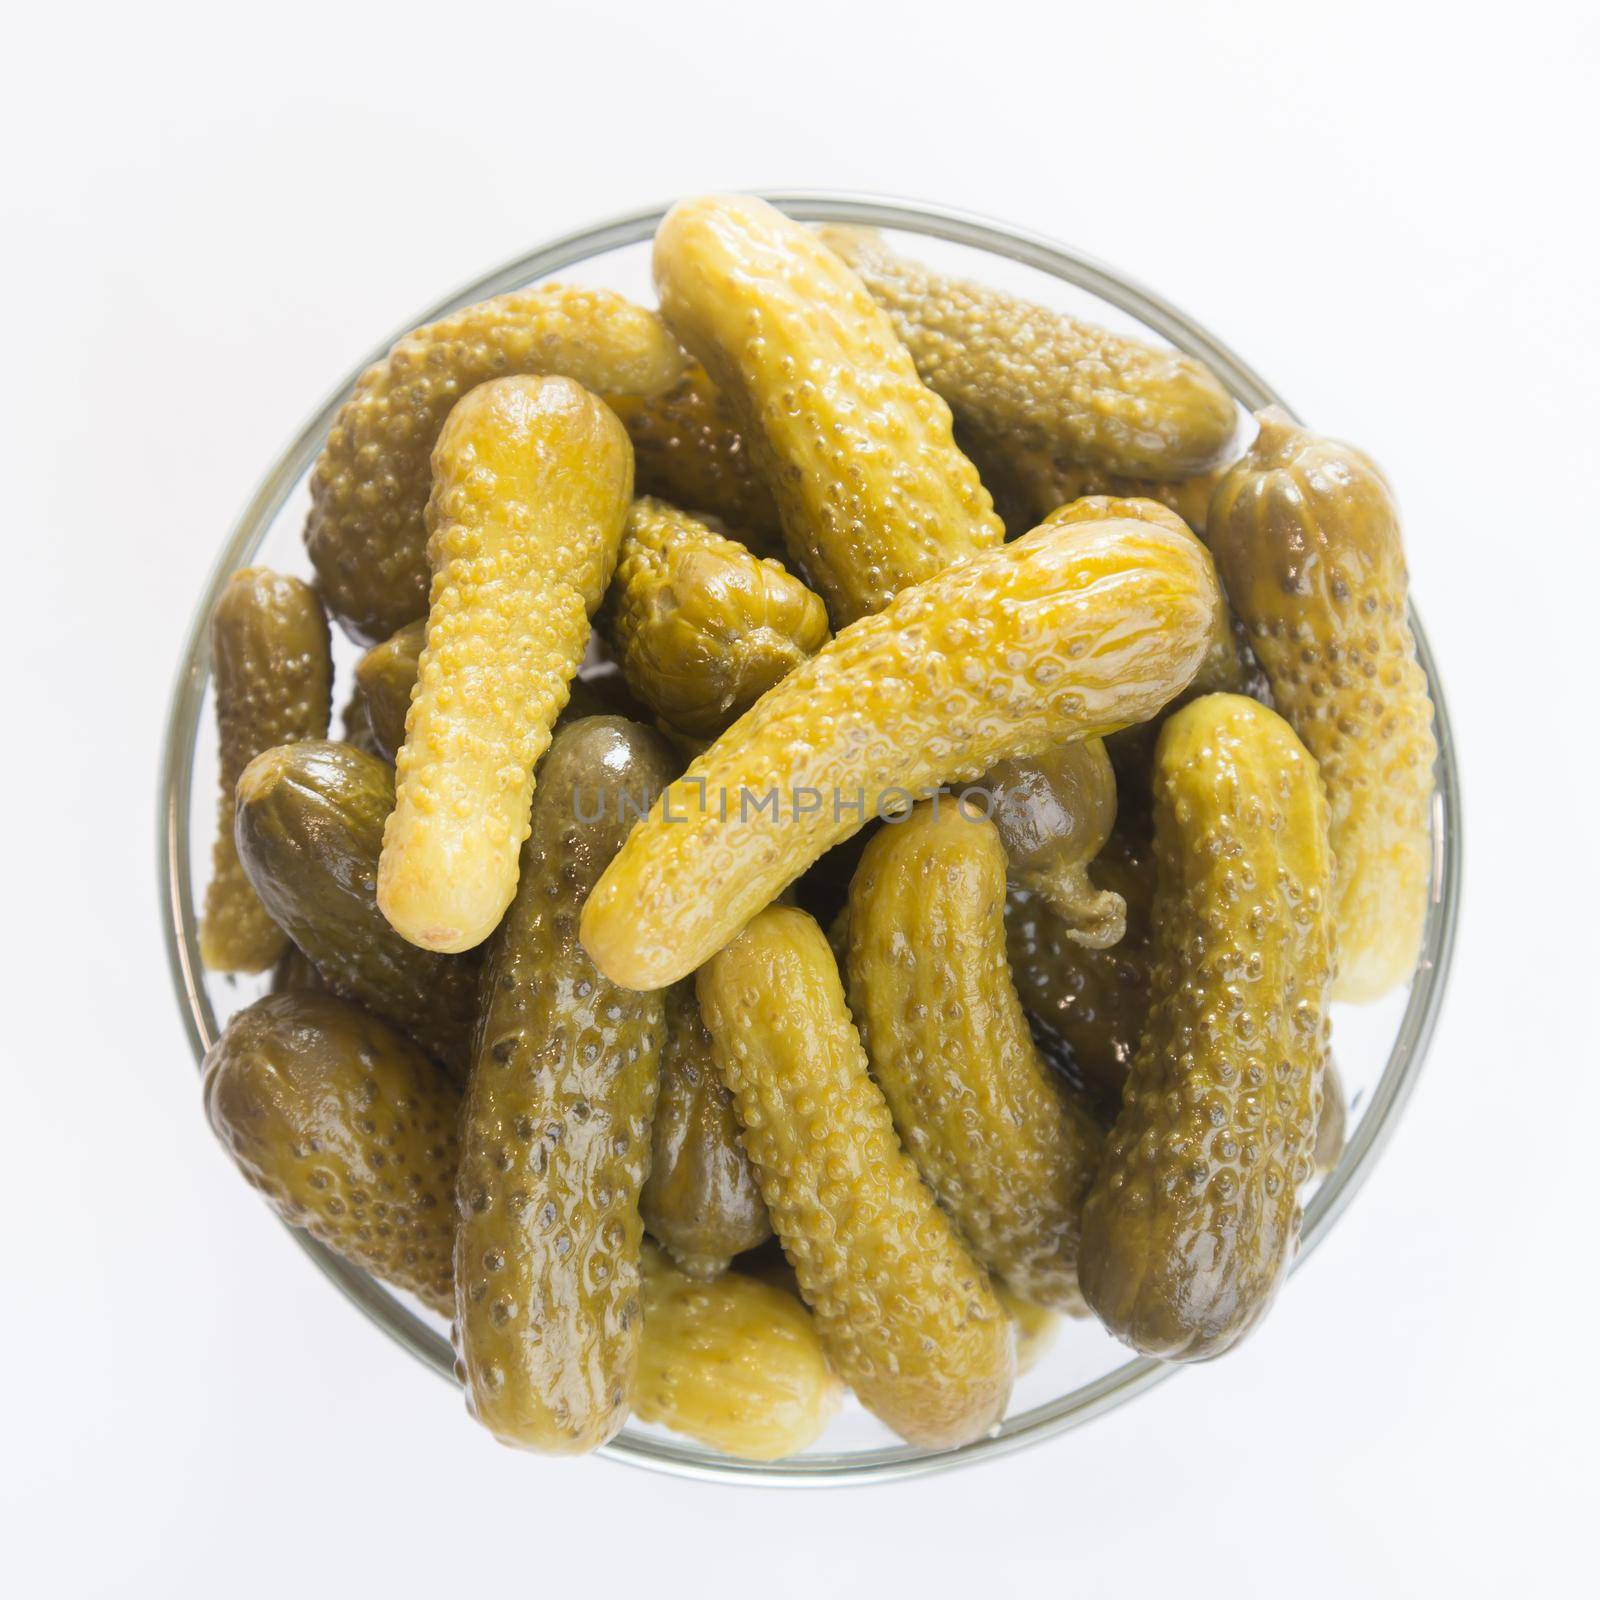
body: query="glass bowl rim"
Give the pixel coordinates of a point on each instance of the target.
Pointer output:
(681, 1457)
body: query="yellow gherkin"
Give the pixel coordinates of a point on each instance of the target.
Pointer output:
(701, 627)
(366, 532)
(1007, 1152)
(1195, 1213)
(274, 683)
(1025, 371)
(532, 480)
(1066, 633)
(907, 1316)
(1307, 539)
(858, 451)
(735, 1363)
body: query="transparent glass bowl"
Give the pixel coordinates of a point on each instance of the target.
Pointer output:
(1380, 1048)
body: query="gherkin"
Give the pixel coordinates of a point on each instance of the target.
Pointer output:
(274, 677)
(1307, 539)
(347, 1129)
(369, 489)
(1195, 1213)
(556, 1132)
(1008, 1152)
(309, 827)
(858, 452)
(532, 480)
(1023, 370)
(700, 626)
(907, 1316)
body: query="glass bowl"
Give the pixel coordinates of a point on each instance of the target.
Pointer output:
(1380, 1047)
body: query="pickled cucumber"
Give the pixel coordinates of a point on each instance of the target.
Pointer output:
(1307, 539)
(532, 480)
(556, 1133)
(1093, 1001)
(701, 1199)
(310, 820)
(1065, 633)
(1194, 1216)
(1054, 813)
(1007, 1152)
(385, 677)
(1028, 372)
(274, 681)
(701, 627)
(858, 452)
(907, 1316)
(370, 486)
(347, 1129)
(687, 449)
(1028, 483)
(734, 1363)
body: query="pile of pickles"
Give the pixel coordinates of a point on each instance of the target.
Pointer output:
(918, 922)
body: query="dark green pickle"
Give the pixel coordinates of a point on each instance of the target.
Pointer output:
(309, 828)
(556, 1135)
(1092, 1001)
(701, 1199)
(1194, 1215)
(347, 1129)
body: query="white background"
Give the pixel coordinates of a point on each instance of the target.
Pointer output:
(210, 212)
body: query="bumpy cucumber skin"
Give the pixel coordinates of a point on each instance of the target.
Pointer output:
(1063, 634)
(309, 824)
(1307, 539)
(734, 1363)
(532, 482)
(273, 671)
(701, 1199)
(1194, 1217)
(556, 1135)
(1008, 1154)
(347, 1129)
(1028, 482)
(1093, 1001)
(1054, 813)
(369, 490)
(1026, 371)
(385, 678)
(701, 627)
(688, 451)
(858, 451)
(908, 1318)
